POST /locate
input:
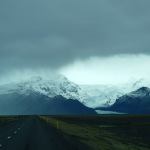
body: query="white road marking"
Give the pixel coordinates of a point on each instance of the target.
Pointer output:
(9, 137)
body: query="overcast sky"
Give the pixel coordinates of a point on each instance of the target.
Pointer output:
(93, 38)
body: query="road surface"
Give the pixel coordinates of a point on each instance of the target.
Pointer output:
(31, 134)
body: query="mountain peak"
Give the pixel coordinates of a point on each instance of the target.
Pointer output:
(59, 85)
(135, 102)
(144, 89)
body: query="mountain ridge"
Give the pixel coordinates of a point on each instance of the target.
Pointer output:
(136, 102)
(51, 88)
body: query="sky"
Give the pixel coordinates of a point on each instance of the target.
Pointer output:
(90, 42)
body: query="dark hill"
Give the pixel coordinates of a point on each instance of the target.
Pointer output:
(39, 104)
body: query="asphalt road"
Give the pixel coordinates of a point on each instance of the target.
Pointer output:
(31, 134)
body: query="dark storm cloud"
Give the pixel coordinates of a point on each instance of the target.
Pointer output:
(52, 33)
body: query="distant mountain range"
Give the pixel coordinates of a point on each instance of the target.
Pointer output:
(60, 96)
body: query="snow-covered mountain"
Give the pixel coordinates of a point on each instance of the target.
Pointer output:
(90, 95)
(59, 85)
(45, 97)
(137, 101)
(104, 96)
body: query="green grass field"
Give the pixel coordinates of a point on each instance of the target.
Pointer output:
(104, 132)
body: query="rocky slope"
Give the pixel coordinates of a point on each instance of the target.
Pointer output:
(136, 102)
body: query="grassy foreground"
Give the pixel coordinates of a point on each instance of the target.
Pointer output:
(104, 132)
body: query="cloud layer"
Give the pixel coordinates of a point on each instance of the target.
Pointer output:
(46, 34)
(111, 70)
